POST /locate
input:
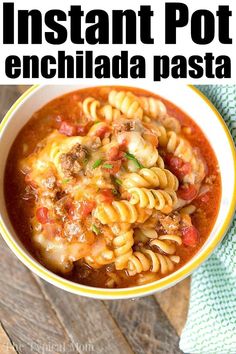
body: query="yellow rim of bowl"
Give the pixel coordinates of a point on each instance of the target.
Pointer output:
(135, 291)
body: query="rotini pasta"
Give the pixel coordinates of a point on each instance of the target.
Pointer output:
(152, 107)
(147, 277)
(165, 247)
(171, 123)
(127, 103)
(119, 211)
(145, 259)
(160, 162)
(90, 107)
(152, 198)
(109, 113)
(144, 235)
(93, 109)
(123, 249)
(151, 178)
(166, 243)
(106, 257)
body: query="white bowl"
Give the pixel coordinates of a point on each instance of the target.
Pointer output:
(199, 109)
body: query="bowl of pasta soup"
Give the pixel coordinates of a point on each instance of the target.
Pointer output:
(115, 191)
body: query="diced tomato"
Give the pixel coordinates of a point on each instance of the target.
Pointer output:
(190, 236)
(82, 129)
(102, 131)
(115, 154)
(68, 129)
(105, 196)
(187, 192)
(42, 215)
(86, 207)
(70, 208)
(71, 211)
(178, 166)
(173, 161)
(112, 167)
(185, 169)
(123, 144)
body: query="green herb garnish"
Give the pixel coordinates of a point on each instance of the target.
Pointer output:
(97, 163)
(118, 181)
(114, 191)
(96, 122)
(108, 166)
(66, 180)
(95, 229)
(133, 158)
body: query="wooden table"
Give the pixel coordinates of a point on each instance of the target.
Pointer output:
(36, 317)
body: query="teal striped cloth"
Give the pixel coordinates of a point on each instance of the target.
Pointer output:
(211, 323)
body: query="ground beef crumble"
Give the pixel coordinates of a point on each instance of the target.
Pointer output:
(73, 161)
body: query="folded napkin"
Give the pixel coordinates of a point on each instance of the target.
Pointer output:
(211, 323)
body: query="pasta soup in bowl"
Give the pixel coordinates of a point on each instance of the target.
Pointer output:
(114, 192)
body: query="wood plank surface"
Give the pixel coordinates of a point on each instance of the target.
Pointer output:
(6, 345)
(87, 320)
(25, 314)
(145, 326)
(174, 303)
(36, 317)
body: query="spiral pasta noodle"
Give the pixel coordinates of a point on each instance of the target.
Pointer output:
(144, 235)
(165, 247)
(166, 243)
(179, 146)
(153, 107)
(151, 198)
(113, 280)
(147, 277)
(127, 103)
(151, 178)
(160, 162)
(189, 209)
(171, 123)
(119, 211)
(105, 257)
(171, 238)
(145, 259)
(109, 113)
(90, 107)
(123, 249)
